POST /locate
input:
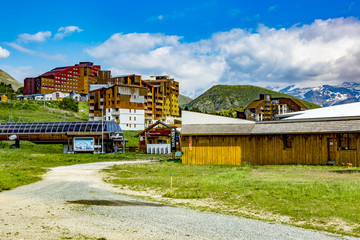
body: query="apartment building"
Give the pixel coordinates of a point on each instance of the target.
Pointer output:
(67, 79)
(266, 108)
(123, 104)
(161, 100)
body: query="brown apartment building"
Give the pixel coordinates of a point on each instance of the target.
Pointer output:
(67, 79)
(161, 99)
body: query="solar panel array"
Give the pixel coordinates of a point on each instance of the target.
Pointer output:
(58, 127)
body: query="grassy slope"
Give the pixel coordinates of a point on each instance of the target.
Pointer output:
(309, 196)
(33, 111)
(6, 78)
(226, 97)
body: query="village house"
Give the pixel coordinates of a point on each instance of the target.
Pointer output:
(266, 108)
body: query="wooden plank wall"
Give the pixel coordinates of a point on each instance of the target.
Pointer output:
(265, 150)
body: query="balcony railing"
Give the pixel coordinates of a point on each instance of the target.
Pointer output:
(116, 113)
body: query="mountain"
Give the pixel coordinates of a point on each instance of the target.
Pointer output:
(183, 100)
(7, 79)
(327, 95)
(225, 97)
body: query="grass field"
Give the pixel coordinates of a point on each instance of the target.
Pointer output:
(309, 196)
(26, 165)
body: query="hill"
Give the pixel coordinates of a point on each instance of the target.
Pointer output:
(226, 97)
(34, 111)
(7, 79)
(183, 100)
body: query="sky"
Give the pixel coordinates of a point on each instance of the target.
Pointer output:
(200, 43)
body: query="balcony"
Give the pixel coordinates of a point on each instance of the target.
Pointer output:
(91, 114)
(116, 113)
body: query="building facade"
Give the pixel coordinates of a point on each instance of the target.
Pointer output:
(266, 108)
(333, 141)
(161, 100)
(123, 104)
(68, 79)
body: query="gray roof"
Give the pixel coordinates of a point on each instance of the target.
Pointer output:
(259, 128)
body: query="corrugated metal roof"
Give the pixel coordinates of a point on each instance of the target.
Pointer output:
(344, 110)
(202, 118)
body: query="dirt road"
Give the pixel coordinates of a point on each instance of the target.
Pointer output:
(73, 203)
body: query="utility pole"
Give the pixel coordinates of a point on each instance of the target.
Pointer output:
(102, 129)
(44, 95)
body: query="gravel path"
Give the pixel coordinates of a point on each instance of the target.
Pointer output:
(73, 202)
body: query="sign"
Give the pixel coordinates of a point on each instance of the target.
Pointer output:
(84, 144)
(190, 144)
(173, 139)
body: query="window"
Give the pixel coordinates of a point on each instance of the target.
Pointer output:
(134, 118)
(347, 141)
(130, 118)
(287, 141)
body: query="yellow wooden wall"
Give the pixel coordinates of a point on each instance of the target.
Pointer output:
(265, 150)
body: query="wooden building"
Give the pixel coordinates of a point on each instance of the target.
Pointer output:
(156, 139)
(266, 108)
(308, 141)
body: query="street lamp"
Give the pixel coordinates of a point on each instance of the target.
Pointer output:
(102, 129)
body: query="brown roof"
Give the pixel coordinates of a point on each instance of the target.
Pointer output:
(254, 104)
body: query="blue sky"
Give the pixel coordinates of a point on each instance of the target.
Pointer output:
(200, 43)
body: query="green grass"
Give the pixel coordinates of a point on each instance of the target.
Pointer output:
(132, 141)
(26, 165)
(34, 111)
(309, 196)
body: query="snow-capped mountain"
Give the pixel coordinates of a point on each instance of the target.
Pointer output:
(327, 95)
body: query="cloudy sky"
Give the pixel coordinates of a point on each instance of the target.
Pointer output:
(199, 43)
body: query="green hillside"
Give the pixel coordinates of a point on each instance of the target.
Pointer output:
(7, 79)
(34, 111)
(183, 100)
(226, 97)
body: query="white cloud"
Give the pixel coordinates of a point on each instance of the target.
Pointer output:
(37, 37)
(326, 51)
(66, 31)
(16, 46)
(4, 53)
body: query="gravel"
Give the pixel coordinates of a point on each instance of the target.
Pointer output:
(73, 202)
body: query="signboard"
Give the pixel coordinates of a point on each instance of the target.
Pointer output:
(190, 144)
(83, 144)
(173, 139)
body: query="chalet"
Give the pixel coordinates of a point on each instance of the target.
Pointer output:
(156, 139)
(266, 108)
(208, 139)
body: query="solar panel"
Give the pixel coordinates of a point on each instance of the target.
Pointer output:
(59, 127)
